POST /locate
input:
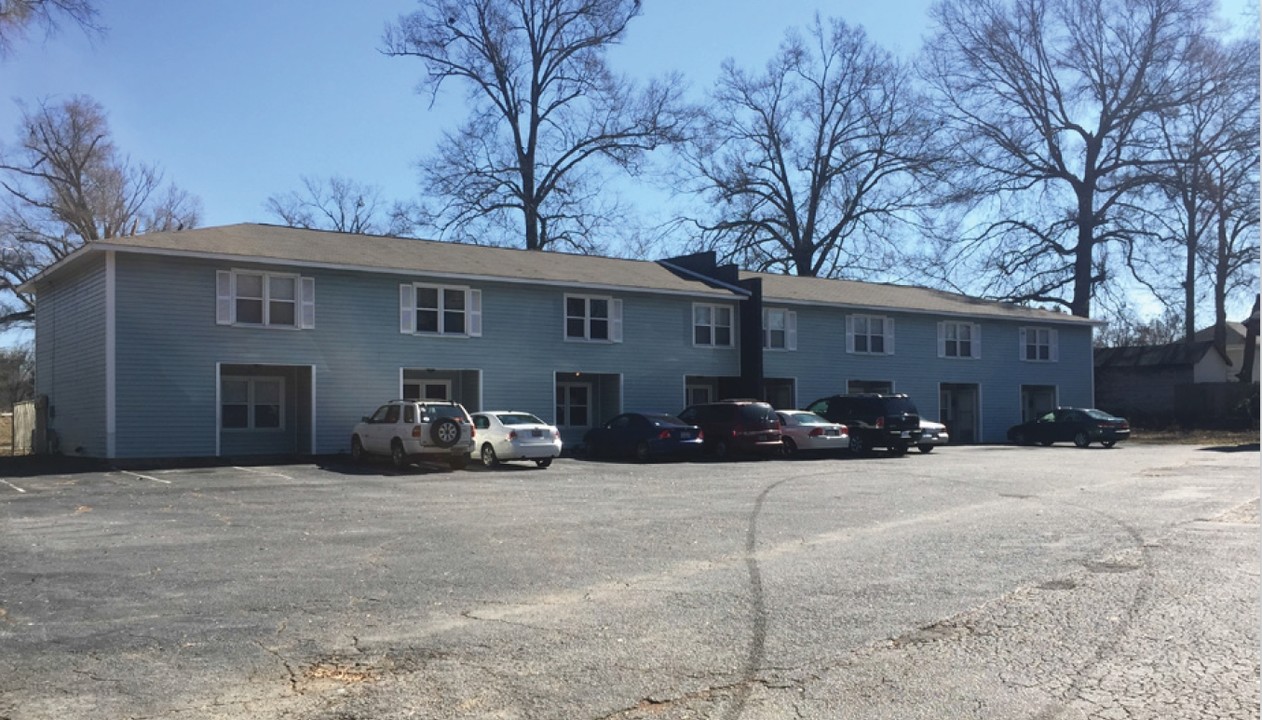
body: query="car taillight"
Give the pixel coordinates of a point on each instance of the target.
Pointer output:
(880, 422)
(844, 430)
(663, 435)
(700, 434)
(512, 434)
(816, 432)
(416, 431)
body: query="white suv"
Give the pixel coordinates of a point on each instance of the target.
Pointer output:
(410, 430)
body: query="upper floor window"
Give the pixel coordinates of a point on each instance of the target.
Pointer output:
(870, 334)
(440, 310)
(249, 297)
(1038, 344)
(959, 340)
(779, 329)
(593, 318)
(712, 325)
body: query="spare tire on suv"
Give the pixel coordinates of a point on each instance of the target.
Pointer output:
(875, 421)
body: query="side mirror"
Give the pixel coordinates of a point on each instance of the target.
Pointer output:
(364, 418)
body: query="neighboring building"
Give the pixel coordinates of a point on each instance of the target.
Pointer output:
(256, 339)
(1142, 382)
(1234, 348)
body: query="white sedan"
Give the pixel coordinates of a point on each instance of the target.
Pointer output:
(932, 434)
(805, 431)
(513, 435)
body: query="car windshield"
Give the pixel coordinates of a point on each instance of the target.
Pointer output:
(519, 419)
(663, 420)
(757, 411)
(806, 418)
(444, 411)
(1099, 415)
(898, 406)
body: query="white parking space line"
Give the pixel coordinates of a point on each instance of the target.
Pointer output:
(256, 471)
(15, 487)
(145, 477)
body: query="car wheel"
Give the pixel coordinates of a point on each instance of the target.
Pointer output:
(642, 451)
(790, 447)
(1081, 439)
(722, 450)
(543, 462)
(488, 455)
(1108, 443)
(925, 448)
(858, 446)
(398, 457)
(445, 432)
(357, 449)
(1045, 443)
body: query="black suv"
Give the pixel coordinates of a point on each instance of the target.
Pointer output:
(889, 421)
(736, 426)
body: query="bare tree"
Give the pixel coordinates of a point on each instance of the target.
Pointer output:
(807, 164)
(1124, 329)
(337, 204)
(1047, 102)
(64, 184)
(545, 110)
(17, 374)
(18, 16)
(1204, 205)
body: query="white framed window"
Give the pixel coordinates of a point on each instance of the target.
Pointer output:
(959, 340)
(698, 394)
(779, 329)
(264, 299)
(712, 325)
(251, 403)
(593, 318)
(1038, 344)
(447, 310)
(427, 390)
(870, 334)
(574, 404)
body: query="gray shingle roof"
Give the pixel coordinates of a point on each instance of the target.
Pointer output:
(250, 242)
(856, 294)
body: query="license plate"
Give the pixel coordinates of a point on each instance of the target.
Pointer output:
(832, 433)
(905, 434)
(536, 433)
(685, 435)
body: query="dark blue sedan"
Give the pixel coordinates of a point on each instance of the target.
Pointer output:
(643, 436)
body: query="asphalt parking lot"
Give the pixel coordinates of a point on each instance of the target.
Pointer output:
(975, 582)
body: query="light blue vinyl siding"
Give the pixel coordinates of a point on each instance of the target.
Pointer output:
(822, 366)
(169, 344)
(70, 357)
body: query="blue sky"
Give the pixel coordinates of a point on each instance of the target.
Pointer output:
(235, 100)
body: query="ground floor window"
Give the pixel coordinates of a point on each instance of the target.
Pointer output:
(252, 403)
(574, 404)
(427, 390)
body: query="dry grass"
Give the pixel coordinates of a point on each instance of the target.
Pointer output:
(1214, 438)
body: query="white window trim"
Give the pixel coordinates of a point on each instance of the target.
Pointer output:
(974, 340)
(1053, 344)
(561, 393)
(731, 328)
(790, 330)
(888, 334)
(250, 380)
(226, 299)
(408, 310)
(614, 319)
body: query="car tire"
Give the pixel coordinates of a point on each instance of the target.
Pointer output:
(489, 458)
(459, 462)
(790, 447)
(642, 451)
(543, 463)
(925, 448)
(1081, 439)
(1108, 443)
(398, 457)
(357, 449)
(858, 446)
(445, 432)
(722, 451)
(1046, 443)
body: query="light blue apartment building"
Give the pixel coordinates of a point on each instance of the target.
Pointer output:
(262, 340)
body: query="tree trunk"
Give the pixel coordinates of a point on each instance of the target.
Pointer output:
(1081, 302)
